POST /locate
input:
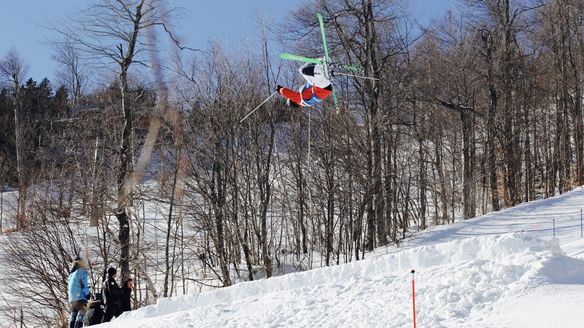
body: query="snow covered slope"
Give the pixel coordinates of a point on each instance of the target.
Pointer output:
(500, 270)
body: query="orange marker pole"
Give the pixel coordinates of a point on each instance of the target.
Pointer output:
(414, 297)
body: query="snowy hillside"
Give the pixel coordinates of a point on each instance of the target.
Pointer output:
(499, 270)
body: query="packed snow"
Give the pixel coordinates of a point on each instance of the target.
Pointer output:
(505, 269)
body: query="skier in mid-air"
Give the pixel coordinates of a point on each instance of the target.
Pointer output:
(314, 91)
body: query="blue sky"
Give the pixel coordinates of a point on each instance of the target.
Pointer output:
(21, 23)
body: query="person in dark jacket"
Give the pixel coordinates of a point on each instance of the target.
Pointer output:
(95, 311)
(126, 296)
(78, 290)
(111, 295)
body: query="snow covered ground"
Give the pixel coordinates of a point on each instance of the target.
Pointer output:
(505, 269)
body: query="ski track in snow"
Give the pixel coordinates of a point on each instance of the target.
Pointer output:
(499, 270)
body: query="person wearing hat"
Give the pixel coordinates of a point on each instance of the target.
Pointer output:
(126, 303)
(78, 290)
(111, 295)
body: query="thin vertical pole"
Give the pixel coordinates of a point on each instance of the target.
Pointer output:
(580, 223)
(1, 206)
(309, 137)
(309, 176)
(554, 227)
(414, 297)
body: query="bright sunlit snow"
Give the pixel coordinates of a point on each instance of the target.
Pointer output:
(501, 270)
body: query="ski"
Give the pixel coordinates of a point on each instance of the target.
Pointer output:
(350, 67)
(287, 56)
(301, 58)
(327, 59)
(326, 54)
(358, 76)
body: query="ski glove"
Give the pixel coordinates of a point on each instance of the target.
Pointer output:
(278, 87)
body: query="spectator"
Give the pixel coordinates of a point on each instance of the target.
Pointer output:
(126, 296)
(78, 290)
(95, 311)
(111, 295)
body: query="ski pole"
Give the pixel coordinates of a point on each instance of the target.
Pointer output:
(580, 223)
(357, 76)
(260, 105)
(554, 227)
(414, 297)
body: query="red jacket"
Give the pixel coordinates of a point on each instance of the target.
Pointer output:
(309, 97)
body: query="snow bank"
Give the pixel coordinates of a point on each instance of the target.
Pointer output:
(454, 280)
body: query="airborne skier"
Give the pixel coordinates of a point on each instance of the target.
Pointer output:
(316, 72)
(317, 87)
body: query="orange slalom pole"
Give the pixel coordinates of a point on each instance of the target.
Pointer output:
(414, 297)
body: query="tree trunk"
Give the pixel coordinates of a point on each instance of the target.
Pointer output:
(423, 184)
(20, 174)
(575, 48)
(124, 190)
(125, 169)
(469, 157)
(263, 166)
(169, 268)
(218, 200)
(491, 124)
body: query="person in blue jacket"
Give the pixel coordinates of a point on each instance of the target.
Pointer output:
(78, 288)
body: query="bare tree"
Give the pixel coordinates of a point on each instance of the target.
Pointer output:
(71, 73)
(454, 86)
(113, 32)
(13, 69)
(44, 287)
